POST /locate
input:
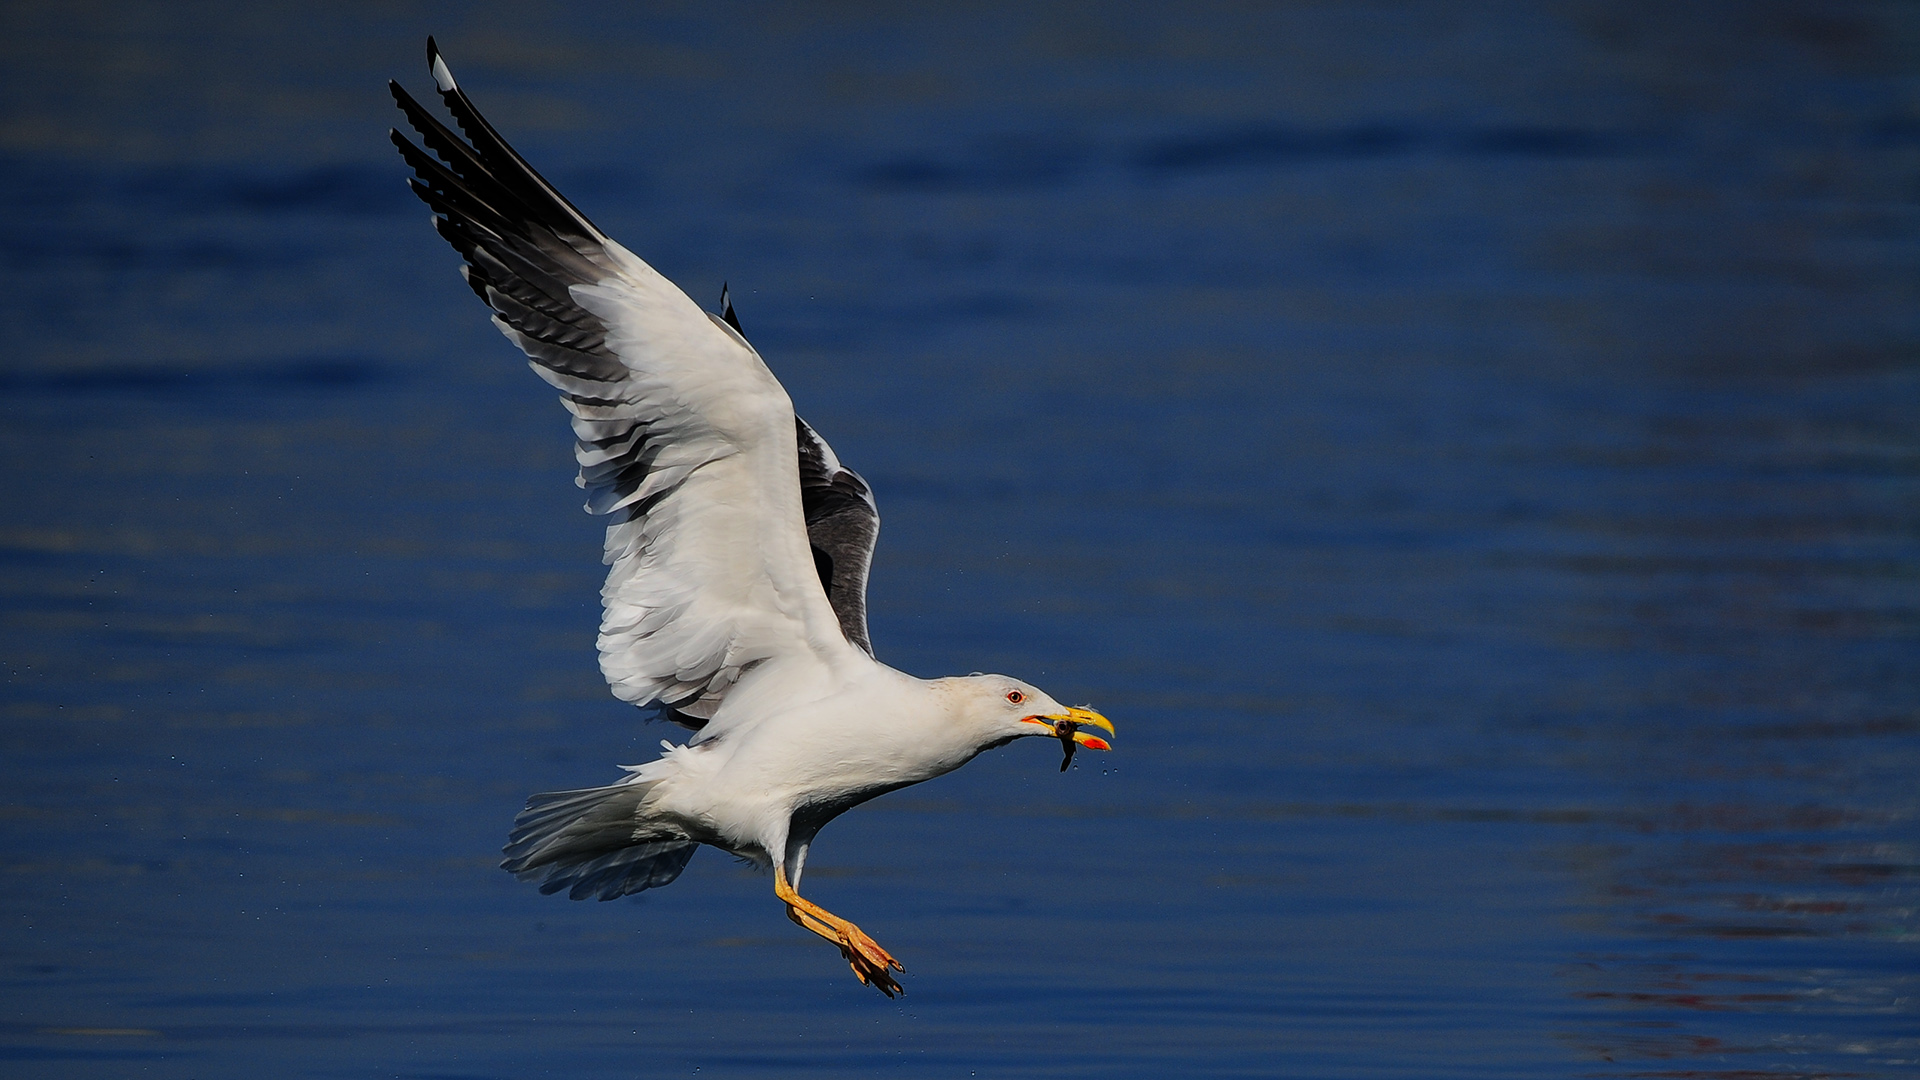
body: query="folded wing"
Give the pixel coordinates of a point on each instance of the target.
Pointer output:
(685, 439)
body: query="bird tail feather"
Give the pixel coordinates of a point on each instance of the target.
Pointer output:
(592, 843)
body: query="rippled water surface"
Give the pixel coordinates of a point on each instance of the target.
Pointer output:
(1471, 451)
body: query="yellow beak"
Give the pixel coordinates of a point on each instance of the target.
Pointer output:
(1078, 715)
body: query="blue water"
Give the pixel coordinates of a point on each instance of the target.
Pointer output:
(1469, 451)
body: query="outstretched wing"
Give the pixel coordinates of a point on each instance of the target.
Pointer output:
(685, 439)
(843, 523)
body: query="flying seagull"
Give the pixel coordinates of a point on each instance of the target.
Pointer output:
(739, 548)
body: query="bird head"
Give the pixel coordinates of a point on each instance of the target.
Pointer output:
(1008, 709)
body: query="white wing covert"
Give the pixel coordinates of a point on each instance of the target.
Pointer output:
(684, 438)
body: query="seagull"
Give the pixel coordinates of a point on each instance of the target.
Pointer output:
(738, 548)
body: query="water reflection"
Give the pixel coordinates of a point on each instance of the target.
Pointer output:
(1716, 896)
(1772, 923)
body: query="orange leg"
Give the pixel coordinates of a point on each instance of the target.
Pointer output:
(868, 960)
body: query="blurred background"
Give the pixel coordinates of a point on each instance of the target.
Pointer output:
(1472, 451)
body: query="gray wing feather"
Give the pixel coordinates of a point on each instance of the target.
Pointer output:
(843, 524)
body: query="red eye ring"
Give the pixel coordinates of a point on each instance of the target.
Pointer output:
(1016, 697)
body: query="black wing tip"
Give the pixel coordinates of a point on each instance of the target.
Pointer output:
(437, 64)
(406, 101)
(726, 310)
(401, 98)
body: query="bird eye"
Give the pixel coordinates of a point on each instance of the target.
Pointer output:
(1016, 697)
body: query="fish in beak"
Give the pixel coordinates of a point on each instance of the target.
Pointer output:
(1066, 727)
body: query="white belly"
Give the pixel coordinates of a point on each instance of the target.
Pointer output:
(741, 791)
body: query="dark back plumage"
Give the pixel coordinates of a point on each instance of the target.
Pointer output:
(843, 524)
